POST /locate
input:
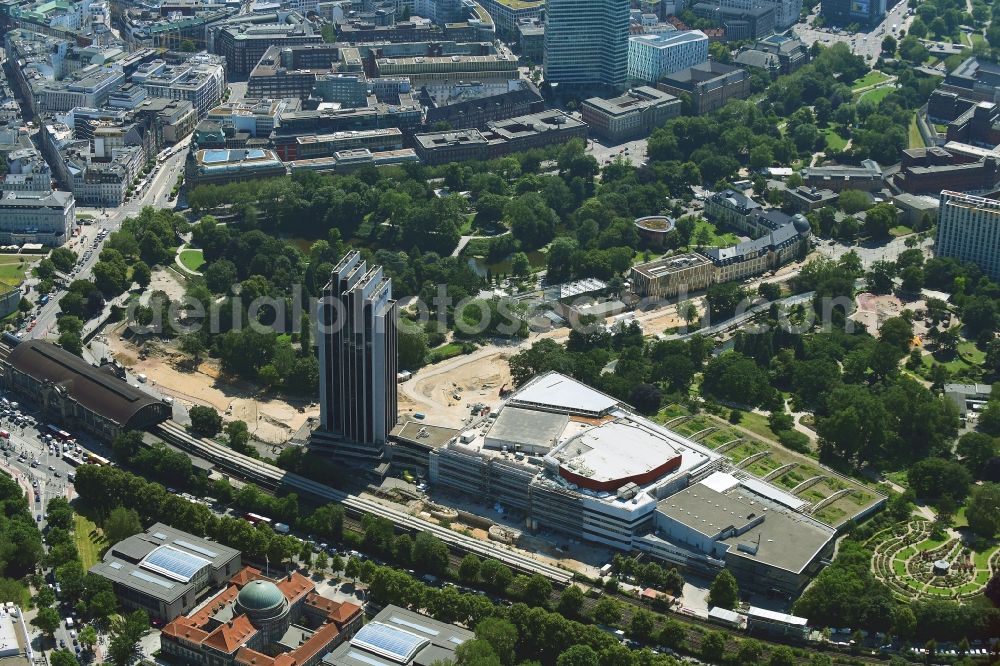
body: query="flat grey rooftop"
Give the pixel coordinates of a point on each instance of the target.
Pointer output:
(527, 427)
(784, 538)
(708, 511)
(424, 434)
(788, 540)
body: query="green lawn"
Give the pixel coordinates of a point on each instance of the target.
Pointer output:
(916, 140)
(833, 140)
(869, 79)
(968, 357)
(877, 95)
(705, 233)
(14, 266)
(757, 424)
(88, 540)
(444, 352)
(192, 259)
(901, 230)
(978, 39)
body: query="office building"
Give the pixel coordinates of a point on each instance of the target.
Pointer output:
(456, 67)
(243, 45)
(634, 114)
(231, 165)
(365, 32)
(931, 170)
(709, 85)
(500, 138)
(758, 531)
(400, 637)
(867, 177)
(805, 199)
(36, 217)
(650, 57)
(281, 73)
(969, 230)
(163, 570)
(77, 394)
(520, 99)
(739, 21)
(672, 275)
(531, 40)
(507, 14)
(311, 146)
(776, 54)
(357, 356)
(256, 117)
(916, 211)
(586, 43)
(259, 621)
(202, 84)
(866, 13)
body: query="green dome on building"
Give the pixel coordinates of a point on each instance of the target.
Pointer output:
(260, 595)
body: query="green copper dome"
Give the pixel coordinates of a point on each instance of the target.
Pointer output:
(260, 595)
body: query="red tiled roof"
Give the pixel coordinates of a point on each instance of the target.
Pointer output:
(201, 618)
(244, 576)
(231, 636)
(319, 641)
(253, 658)
(295, 586)
(337, 612)
(346, 613)
(181, 628)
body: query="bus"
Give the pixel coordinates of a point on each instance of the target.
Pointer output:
(94, 459)
(257, 519)
(57, 434)
(72, 458)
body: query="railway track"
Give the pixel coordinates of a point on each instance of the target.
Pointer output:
(273, 477)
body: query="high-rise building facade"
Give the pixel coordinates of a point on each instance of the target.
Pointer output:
(586, 42)
(969, 230)
(866, 13)
(357, 359)
(650, 57)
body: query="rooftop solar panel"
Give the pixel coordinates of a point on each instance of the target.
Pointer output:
(151, 579)
(173, 563)
(198, 549)
(389, 642)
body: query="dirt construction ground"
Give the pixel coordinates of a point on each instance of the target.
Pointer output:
(478, 377)
(270, 420)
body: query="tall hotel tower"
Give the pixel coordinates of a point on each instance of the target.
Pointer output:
(357, 360)
(969, 230)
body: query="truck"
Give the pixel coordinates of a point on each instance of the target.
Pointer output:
(281, 528)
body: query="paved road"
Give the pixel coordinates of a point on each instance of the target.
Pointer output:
(155, 191)
(867, 45)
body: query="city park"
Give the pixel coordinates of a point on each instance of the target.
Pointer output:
(916, 563)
